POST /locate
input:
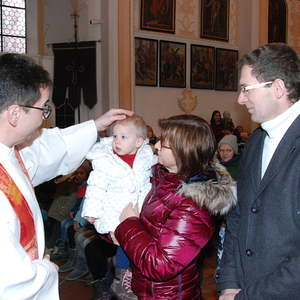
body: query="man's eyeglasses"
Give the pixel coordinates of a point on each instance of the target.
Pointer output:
(46, 110)
(246, 88)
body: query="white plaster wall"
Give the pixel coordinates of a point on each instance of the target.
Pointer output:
(156, 103)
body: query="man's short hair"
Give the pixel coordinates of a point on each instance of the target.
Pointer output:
(275, 61)
(20, 80)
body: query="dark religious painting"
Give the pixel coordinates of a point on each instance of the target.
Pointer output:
(215, 19)
(158, 15)
(74, 76)
(146, 61)
(172, 71)
(277, 21)
(202, 67)
(226, 69)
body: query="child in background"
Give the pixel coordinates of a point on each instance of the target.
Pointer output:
(121, 175)
(175, 223)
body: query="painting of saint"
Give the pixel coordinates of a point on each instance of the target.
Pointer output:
(214, 19)
(158, 15)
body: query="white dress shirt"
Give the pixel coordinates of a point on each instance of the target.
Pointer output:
(276, 128)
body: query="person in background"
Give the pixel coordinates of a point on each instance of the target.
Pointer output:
(151, 136)
(228, 126)
(228, 154)
(68, 225)
(26, 272)
(216, 124)
(229, 157)
(64, 200)
(176, 222)
(261, 258)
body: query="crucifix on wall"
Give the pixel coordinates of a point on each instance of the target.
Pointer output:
(74, 75)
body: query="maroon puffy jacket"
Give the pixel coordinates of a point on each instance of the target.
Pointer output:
(174, 225)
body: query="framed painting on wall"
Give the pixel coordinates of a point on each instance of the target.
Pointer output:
(215, 19)
(226, 69)
(172, 71)
(277, 21)
(146, 61)
(202, 67)
(158, 15)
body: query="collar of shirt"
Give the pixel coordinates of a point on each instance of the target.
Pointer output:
(277, 127)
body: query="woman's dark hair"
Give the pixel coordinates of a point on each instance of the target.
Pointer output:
(212, 119)
(192, 143)
(275, 61)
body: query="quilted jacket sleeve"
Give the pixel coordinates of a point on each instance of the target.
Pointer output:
(180, 240)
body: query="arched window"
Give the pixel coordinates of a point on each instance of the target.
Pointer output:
(277, 21)
(13, 26)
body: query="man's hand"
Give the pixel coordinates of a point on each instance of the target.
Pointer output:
(47, 257)
(229, 294)
(111, 116)
(129, 211)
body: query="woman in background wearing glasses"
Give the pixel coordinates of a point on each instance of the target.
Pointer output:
(228, 154)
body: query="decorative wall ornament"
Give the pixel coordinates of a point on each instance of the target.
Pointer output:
(187, 102)
(74, 75)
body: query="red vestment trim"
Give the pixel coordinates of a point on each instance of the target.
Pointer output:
(28, 238)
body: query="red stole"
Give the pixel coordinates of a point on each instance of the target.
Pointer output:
(28, 238)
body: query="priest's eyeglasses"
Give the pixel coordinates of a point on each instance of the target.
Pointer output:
(46, 110)
(246, 88)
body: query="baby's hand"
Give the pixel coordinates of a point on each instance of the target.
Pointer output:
(90, 219)
(129, 211)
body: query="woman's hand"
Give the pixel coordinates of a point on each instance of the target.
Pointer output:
(129, 211)
(114, 239)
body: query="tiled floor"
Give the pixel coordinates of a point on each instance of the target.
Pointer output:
(76, 290)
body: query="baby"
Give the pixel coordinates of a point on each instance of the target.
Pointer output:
(121, 173)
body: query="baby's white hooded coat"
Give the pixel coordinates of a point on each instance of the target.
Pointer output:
(113, 184)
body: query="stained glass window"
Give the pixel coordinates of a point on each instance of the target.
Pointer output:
(13, 26)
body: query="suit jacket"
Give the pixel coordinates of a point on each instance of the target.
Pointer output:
(262, 242)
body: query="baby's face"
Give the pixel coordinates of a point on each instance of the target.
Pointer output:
(125, 139)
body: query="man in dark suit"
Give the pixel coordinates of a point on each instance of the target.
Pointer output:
(261, 258)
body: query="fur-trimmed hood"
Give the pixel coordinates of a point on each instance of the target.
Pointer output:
(217, 196)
